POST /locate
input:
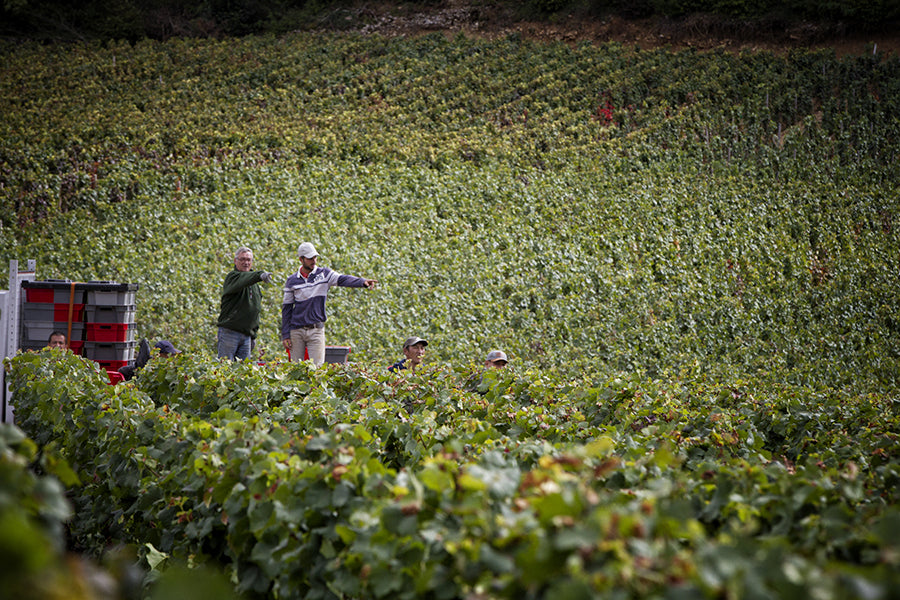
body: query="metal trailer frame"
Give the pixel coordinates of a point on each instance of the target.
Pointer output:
(10, 307)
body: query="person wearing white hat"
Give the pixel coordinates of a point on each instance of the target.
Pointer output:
(303, 307)
(496, 359)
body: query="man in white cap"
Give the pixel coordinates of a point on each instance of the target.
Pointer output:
(303, 307)
(496, 359)
(413, 352)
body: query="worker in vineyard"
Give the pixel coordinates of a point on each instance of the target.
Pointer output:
(165, 347)
(496, 359)
(57, 339)
(240, 307)
(303, 306)
(413, 353)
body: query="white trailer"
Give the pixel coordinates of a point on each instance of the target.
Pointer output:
(10, 307)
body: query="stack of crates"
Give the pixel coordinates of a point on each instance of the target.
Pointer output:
(99, 314)
(53, 305)
(109, 325)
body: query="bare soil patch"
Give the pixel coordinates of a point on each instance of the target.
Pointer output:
(700, 32)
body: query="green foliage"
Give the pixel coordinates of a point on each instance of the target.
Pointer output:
(32, 511)
(350, 482)
(586, 208)
(690, 257)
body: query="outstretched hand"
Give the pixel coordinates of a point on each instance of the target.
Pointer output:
(370, 283)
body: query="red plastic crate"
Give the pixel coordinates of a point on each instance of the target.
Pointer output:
(109, 332)
(76, 346)
(38, 295)
(115, 377)
(112, 365)
(61, 312)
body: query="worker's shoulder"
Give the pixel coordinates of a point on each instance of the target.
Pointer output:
(243, 277)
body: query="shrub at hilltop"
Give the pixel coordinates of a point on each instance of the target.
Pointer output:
(162, 19)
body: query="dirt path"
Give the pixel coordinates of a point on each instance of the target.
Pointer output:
(702, 33)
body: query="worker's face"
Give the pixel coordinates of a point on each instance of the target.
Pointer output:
(57, 341)
(309, 264)
(244, 261)
(415, 353)
(495, 364)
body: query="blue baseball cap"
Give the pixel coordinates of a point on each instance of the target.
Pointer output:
(166, 347)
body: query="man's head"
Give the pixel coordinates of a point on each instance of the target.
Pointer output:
(166, 348)
(414, 350)
(308, 256)
(496, 359)
(57, 339)
(243, 259)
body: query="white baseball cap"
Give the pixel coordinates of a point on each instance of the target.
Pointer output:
(307, 250)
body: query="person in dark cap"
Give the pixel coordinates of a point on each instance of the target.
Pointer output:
(413, 352)
(165, 347)
(496, 359)
(481, 380)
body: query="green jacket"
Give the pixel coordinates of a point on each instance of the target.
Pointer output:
(241, 302)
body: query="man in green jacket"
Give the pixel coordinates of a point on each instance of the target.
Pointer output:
(241, 302)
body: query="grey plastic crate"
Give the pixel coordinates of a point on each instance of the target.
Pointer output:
(109, 314)
(112, 295)
(337, 354)
(109, 351)
(45, 311)
(39, 331)
(38, 311)
(75, 346)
